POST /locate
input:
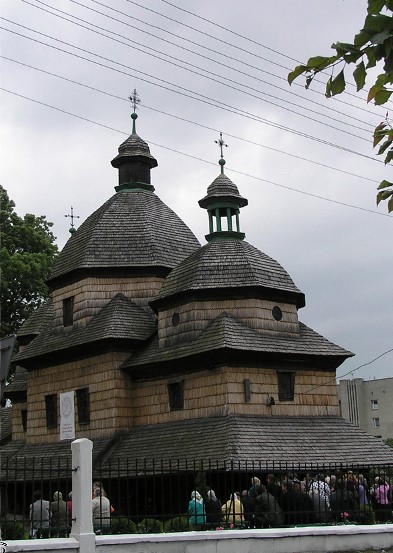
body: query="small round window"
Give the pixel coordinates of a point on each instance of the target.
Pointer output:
(277, 313)
(175, 319)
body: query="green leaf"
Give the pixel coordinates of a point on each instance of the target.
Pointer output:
(384, 184)
(382, 96)
(318, 61)
(380, 133)
(359, 75)
(375, 6)
(338, 84)
(385, 146)
(384, 195)
(296, 72)
(372, 60)
(390, 205)
(328, 92)
(344, 47)
(351, 58)
(361, 38)
(380, 38)
(389, 157)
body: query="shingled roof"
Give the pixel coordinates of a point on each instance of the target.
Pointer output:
(5, 424)
(225, 333)
(19, 383)
(120, 319)
(222, 187)
(247, 439)
(40, 319)
(133, 229)
(230, 264)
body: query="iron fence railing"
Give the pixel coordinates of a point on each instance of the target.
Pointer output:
(131, 496)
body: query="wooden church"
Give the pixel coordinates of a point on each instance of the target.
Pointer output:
(159, 347)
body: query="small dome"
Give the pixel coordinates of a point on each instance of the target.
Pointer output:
(231, 264)
(222, 188)
(134, 146)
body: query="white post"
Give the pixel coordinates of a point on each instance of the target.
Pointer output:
(82, 520)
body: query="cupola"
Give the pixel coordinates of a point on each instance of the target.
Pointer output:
(223, 203)
(134, 159)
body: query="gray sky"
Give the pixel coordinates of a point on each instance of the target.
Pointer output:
(222, 69)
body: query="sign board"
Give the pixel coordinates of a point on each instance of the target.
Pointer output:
(67, 422)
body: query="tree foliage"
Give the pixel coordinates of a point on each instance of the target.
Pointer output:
(27, 256)
(371, 47)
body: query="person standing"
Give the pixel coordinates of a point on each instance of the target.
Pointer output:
(196, 510)
(213, 509)
(58, 521)
(101, 509)
(39, 516)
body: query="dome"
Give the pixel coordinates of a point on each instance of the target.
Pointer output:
(134, 146)
(229, 264)
(222, 188)
(133, 229)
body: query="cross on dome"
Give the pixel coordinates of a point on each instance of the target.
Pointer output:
(221, 143)
(135, 101)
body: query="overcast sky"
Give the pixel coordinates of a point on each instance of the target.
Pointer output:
(201, 68)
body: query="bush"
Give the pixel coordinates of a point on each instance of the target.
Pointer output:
(12, 531)
(178, 524)
(368, 515)
(123, 526)
(150, 526)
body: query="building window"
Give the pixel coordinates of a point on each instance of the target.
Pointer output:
(375, 422)
(83, 403)
(277, 313)
(374, 404)
(247, 390)
(51, 411)
(176, 395)
(68, 311)
(24, 419)
(286, 385)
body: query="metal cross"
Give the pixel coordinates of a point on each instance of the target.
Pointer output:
(221, 143)
(72, 216)
(135, 100)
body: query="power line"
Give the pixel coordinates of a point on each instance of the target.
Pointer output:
(183, 91)
(223, 83)
(349, 372)
(198, 158)
(84, 85)
(221, 63)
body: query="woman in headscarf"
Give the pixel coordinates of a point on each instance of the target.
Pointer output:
(196, 510)
(213, 509)
(233, 510)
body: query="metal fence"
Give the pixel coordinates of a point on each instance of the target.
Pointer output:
(156, 495)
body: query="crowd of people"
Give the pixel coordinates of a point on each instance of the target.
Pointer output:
(334, 498)
(55, 518)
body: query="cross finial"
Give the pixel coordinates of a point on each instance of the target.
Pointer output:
(135, 100)
(72, 216)
(221, 144)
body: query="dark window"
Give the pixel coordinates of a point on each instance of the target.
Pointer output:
(24, 419)
(247, 390)
(277, 313)
(175, 393)
(51, 411)
(68, 311)
(286, 385)
(83, 403)
(175, 319)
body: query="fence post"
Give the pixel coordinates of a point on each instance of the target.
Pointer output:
(82, 521)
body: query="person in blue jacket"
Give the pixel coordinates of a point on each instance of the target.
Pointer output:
(196, 510)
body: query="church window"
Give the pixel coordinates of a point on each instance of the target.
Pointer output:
(24, 419)
(277, 313)
(175, 319)
(376, 423)
(286, 385)
(374, 404)
(68, 311)
(83, 403)
(247, 390)
(51, 411)
(176, 396)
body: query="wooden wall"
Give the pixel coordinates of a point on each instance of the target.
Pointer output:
(17, 428)
(91, 294)
(221, 391)
(194, 316)
(109, 389)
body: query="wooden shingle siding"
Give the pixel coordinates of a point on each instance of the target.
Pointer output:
(109, 391)
(194, 316)
(214, 393)
(17, 429)
(92, 294)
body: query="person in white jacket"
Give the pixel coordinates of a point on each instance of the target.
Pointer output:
(101, 509)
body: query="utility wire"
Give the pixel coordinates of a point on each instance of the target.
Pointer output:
(183, 91)
(84, 85)
(221, 63)
(223, 83)
(349, 372)
(198, 158)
